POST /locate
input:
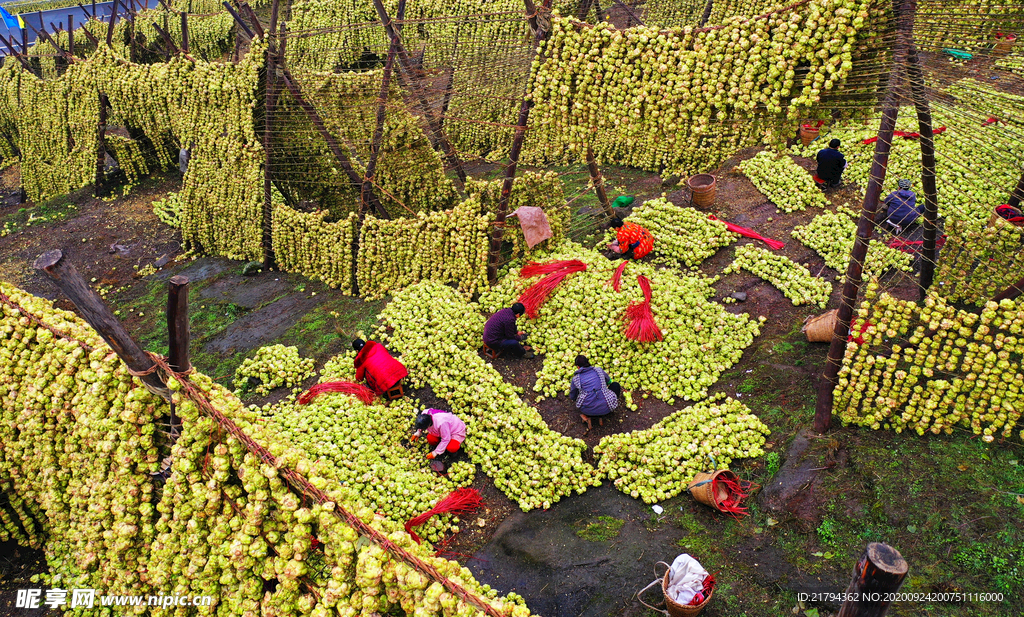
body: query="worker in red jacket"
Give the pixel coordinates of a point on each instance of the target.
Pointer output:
(375, 364)
(631, 240)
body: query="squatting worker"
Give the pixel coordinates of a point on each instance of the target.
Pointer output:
(373, 363)
(903, 208)
(831, 164)
(593, 391)
(500, 333)
(444, 431)
(631, 240)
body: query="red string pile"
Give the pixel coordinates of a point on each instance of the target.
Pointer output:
(641, 326)
(460, 501)
(360, 391)
(535, 268)
(538, 293)
(709, 586)
(737, 492)
(617, 277)
(750, 233)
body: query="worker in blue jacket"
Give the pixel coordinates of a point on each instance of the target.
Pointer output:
(903, 209)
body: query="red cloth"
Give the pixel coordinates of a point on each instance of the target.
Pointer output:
(453, 445)
(375, 364)
(630, 233)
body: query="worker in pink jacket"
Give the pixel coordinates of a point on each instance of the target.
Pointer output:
(444, 431)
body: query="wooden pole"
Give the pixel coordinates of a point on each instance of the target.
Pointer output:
(707, 13)
(1018, 193)
(879, 573)
(931, 196)
(1010, 293)
(184, 32)
(94, 9)
(268, 109)
(24, 41)
(498, 229)
(582, 9)
(101, 145)
(98, 315)
(110, 26)
(855, 269)
(414, 77)
(595, 176)
(630, 15)
(178, 334)
(71, 34)
(378, 132)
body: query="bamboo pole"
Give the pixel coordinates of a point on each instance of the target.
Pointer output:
(931, 196)
(866, 223)
(98, 315)
(876, 578)
(414, 77)
(498, 228)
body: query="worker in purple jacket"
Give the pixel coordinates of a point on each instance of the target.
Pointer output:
(593, 392)
(903, 209)
(501, 334)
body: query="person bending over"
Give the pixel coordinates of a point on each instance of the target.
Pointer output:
(593, 392)
(445, 433)
(631, 240)
(501, 334)
(375, 364)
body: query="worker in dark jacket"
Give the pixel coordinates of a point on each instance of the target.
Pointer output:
(501, 334)
(593, 392)
(903, 208)
(831, 164)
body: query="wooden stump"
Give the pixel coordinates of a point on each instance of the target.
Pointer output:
(879, 573)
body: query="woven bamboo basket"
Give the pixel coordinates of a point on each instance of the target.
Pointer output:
(701, 488)
(702, 188)
(819, 328)
(993, 220)
(808, 134)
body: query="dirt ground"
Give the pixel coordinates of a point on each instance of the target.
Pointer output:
(948, 503)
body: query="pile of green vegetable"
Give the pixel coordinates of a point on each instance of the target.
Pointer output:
(789, 277)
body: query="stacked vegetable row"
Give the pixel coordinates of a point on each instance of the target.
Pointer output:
(832, 234)
(685, 236)
(934, 368)
(438, 333)
(306, 243)
(976, 264)
(789, 186)
(655, 100)
(80, 442)
(789, 277)
(657, 463)
(448, 246)
(584, 314)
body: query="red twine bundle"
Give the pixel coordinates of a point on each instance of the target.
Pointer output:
(641, 325)
(709, 586)
(750, 233)
(538, 293)
(535, 268)
(736, 491)
(617, 277)
(458, 502)
(360, 391)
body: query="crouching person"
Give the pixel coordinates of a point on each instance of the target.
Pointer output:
(593, 392)
(445, 433)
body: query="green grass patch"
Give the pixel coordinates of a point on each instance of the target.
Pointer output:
(43, 214)
(600, 529)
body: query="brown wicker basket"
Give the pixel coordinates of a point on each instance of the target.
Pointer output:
(701, 488)
(672, 608)
(819, 328)
(807, 135)
(702, 190)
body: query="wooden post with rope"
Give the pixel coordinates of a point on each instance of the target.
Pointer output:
(866, 223)
(877, 576)
(269, 101)
(539, 24)
(98, 315)
(931, 197)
